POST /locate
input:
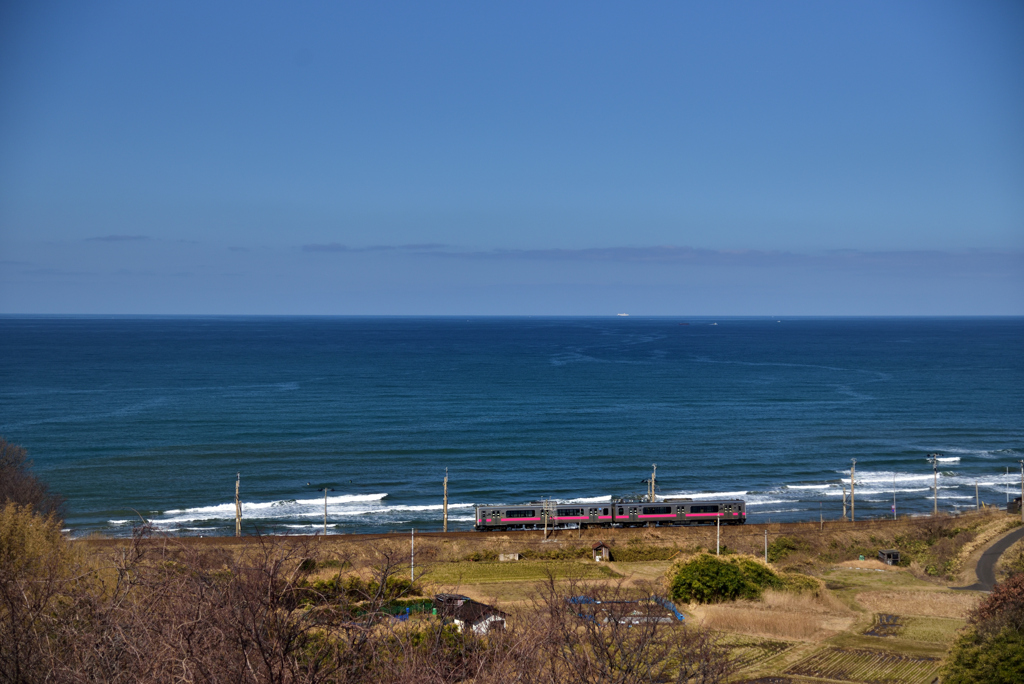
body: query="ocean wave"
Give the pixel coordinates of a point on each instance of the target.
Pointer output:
(706, 495)
(367, 508)
(755, 501)
(868, 491)
(981, 453)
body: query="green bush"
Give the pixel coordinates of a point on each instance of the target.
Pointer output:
(992, 651)
(993, 660)
(711, 579)
(780, 547)
(797, 583)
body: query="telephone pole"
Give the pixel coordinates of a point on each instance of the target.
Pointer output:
(238, 507)
(935, 483)
(1022, 490)
(445, 499)
(853, 504)
(894, 496)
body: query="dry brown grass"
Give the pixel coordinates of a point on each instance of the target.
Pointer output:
(780, 614)
(824, 602)
(947, 604)
(757, 621)
(1011, 561)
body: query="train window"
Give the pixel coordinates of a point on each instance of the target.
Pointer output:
(604, 511)
(526, 513)
(620, 512)
(703, 509)
(657, 510)
(569, 512)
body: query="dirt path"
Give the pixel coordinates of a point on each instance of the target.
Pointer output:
(986, 568)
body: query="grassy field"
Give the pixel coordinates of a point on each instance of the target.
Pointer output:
(935, 630)
(514, 571)
(861, 665)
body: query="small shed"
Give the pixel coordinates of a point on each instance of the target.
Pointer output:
(508, 556)
(602, 551)
(889, 556)
(466, 613)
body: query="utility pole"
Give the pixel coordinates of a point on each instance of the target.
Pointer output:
(238, 507)
(1022, 490)
(766, 545)
(325, 490)
(977, 500)
(853, 504)
(718, 535)
(894, 496)
(445, 499)
(654, 497)
(844, 500)
(935, 483)
(412, 556)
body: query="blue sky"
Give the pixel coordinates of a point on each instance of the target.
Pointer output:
(797, 158)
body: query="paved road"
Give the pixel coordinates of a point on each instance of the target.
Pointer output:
(986, 569)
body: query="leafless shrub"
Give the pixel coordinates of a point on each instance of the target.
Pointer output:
(159, 610)
(18, 484)
(607, 636)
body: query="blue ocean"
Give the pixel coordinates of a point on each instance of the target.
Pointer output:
(152, 418)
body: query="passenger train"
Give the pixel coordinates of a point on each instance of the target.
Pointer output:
(623, 513)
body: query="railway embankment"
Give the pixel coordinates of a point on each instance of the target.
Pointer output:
(934, 548)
